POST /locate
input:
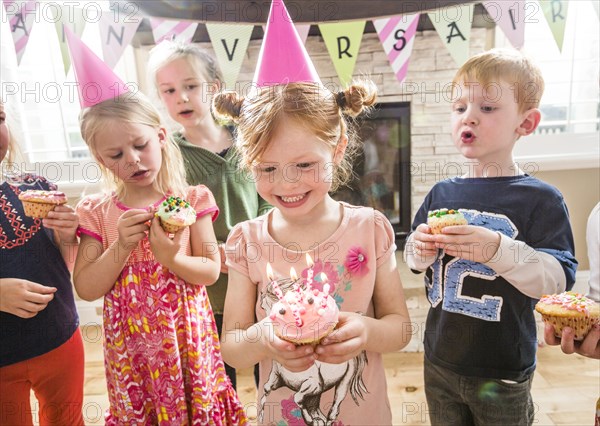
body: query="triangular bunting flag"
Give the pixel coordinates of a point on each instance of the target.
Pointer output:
(20, 16)
(453, 24)
(397, 35)
(596, 5)
(74, 19)
(115, 36)
(230, 42)
(343, 42)
(555, 12)
(165, 29)
(510, 17)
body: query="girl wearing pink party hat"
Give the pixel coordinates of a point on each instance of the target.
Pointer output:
(293, 136)
(162, 356)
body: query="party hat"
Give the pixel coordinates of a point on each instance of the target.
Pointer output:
(96, 82)
(283, 58)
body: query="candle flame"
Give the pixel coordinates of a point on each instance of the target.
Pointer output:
(293, 274)
(309, 261)
(269, 272)
(323, 276)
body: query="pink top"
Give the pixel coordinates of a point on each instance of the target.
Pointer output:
(569, 300)
(38, 196)
(349, 259)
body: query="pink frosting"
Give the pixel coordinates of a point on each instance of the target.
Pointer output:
(569, 300)
(51, 197)
(305, 315)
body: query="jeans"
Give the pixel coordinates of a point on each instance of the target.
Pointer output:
(454, 399)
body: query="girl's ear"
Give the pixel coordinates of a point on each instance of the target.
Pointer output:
(162, 136)
(531, 119)
(340, 149)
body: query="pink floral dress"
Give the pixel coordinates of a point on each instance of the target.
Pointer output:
(161, 349)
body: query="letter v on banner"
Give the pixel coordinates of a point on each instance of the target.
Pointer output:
(397, 35)
(343, 42)
(510, 17)
(115, 35)
(21, 17)
(453, 25)
(230, 42)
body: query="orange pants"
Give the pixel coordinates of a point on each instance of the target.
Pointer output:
(56, 377)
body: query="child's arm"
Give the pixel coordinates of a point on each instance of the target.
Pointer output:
(420, 250)
(389, 331)
(24, 298)
(244, 342)
(96, 270)
(203, 266)
(64, 221)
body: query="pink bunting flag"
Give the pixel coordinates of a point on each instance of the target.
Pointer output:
(510, 17)
(21, 17)
(397, 35)
(165, 29)
(115, 36)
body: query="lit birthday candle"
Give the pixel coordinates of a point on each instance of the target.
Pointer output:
(274, 284)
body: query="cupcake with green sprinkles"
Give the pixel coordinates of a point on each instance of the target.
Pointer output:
(439, 219)
(175, 214)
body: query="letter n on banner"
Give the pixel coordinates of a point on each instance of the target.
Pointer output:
(115, 36)
(230, 42)
(397, 35)
(343, 42)
(453, 25)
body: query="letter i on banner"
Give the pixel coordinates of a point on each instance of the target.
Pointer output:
(21, 17)
(510, 17)
(230, 42)
(397, 35)
(555, 12)
(453, 25)
(165, 29)
(116, 34)
(343, 42)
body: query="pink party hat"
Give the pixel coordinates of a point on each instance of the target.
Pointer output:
(96, 82)
(283, 58)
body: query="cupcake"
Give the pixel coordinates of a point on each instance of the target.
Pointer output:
(439, 219)
(175, 214)
(304, 316)
(38, 203)
(569, 309)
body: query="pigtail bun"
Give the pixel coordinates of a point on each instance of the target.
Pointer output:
(227, 105)
(357, 98)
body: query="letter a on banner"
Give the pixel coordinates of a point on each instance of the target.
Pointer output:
(165, 29)
(555, 12)
(230, 42)
(21, 17)
(453, 25)
(343, 42)
(397, 35)
(510, 17)
(115, 35)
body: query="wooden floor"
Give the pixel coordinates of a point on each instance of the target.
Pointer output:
(565, 387)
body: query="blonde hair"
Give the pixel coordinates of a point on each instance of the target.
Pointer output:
(200, 60)
(135, 109)
(10, 164)
(310, 104)
(508, 65)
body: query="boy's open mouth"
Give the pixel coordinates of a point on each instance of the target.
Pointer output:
(467, 137)
(187, 112)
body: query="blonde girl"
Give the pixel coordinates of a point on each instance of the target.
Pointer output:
(162, 356)
(294, 139)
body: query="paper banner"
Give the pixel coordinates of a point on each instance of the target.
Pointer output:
(510, 17)
(302, 29)
(343, 42)
(596, 5)
(230, 42)
(20, 16)
(555, 12)
(72, 17)
(453, 24)
(397, 35)
(116, 34)
(165, 29)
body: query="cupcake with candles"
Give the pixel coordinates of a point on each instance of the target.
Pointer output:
(38, 203)
(569, 309)
(303, 315)
(175, 213)
(439, 219)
